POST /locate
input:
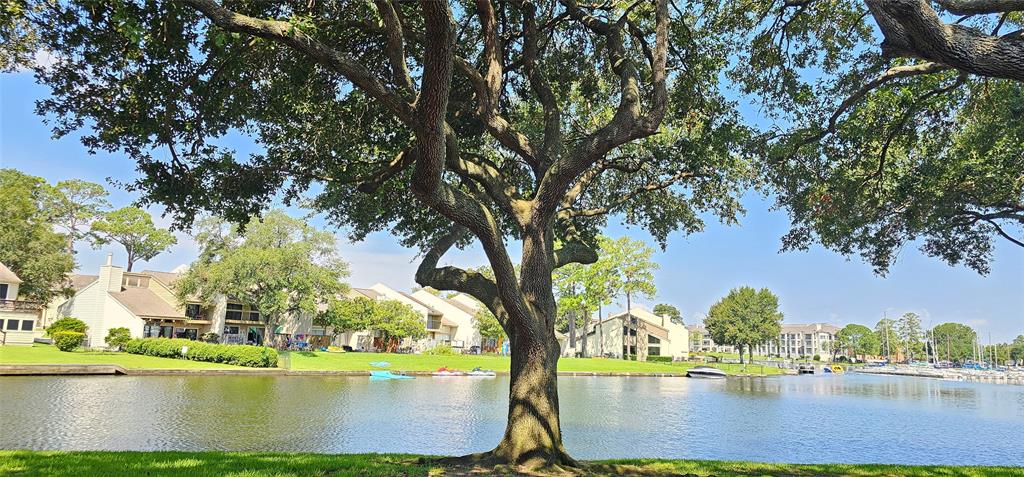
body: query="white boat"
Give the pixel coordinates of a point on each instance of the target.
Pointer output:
(705, 372)
(481, 373)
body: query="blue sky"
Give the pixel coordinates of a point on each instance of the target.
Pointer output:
(813, 286)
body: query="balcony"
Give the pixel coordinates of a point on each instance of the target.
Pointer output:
(20, 305)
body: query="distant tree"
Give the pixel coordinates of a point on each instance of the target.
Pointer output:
(28, 244)
(1017, 349)
(133, 228)
(280, 264)
(487, 324)
(396, 321)
(888, 337)
(663, 309)
(344, 316)
(75, 204)
(911, 336)
(631, 261)
(744, 318)
(856, 340)
(954, 341)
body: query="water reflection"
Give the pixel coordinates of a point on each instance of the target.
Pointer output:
(847, 418)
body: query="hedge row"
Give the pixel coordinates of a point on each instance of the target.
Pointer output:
(659, 359)
(239, 355)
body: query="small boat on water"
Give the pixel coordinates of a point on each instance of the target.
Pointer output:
(385, 375)
(705, 372)
(481, 372)
(444, 371)
(806, 369)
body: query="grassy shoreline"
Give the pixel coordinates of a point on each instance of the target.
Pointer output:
(199, 464)
(352, 362)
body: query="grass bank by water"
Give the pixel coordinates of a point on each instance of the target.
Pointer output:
(47, 354)
(414, 362)
(201, 464)
(320, 361)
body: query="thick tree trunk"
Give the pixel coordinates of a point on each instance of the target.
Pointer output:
(583, 346)
(533, 435)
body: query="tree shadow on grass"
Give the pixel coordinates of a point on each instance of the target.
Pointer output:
(202, 464)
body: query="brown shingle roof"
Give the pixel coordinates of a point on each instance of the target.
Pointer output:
(7, 276)
(167, 278)
(78, 282)
(143, 302)
(368, 293)
(462, 306)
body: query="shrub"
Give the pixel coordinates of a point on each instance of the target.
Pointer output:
(441, 350)
(239, 355)
(817, 357)
(211, 337)
(67, 340)
(630, 357)
(842, 359)
(66, 324)
(659, 359)
(117, 337)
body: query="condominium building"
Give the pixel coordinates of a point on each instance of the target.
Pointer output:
(19, 319)
(647, 335)
(794, 341)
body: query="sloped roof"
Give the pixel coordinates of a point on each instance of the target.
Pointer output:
(461, 306)
(367, 292)
(143, 302)
(7, 276)
(79, 282)
(430, 310)
(167, 278)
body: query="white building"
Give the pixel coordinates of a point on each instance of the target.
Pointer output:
(19, 319)
(649, 335)
(794, 341)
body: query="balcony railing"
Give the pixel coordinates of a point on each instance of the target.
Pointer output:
(20, 305)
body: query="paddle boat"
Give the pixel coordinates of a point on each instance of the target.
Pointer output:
(481, 372)
(444, 371)
(705, 372)
(387, 375)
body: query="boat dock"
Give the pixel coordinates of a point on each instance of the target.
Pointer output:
(951, 374)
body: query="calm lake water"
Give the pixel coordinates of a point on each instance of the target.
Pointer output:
(851, 418)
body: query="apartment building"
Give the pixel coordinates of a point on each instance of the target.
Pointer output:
(19, 319)
(647, 335)
(145, 302)
(797, 341)
(794, 341)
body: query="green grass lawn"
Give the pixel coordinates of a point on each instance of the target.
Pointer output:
(48, 354)
(320, 361)
(200, 464)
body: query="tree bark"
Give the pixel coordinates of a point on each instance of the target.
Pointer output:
(533, 436)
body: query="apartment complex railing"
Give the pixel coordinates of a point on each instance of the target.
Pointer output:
(20, 305)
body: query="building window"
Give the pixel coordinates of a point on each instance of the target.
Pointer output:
(12, 325)
(234, 311)
(192, 310)
(433, 323)
(26, 325)
(255, 336)
(187, 333)
(254, 315)
(3, 291)
(231, 330)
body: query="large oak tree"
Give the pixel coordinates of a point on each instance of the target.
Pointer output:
(494, 121)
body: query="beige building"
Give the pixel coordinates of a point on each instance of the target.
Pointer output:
(19, 319)
(145, 303)
(649, 335)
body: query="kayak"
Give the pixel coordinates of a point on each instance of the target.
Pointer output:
(385, 375)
